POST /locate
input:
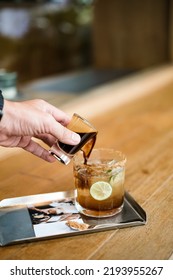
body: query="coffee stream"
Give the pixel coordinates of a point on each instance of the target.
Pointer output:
(87, 148)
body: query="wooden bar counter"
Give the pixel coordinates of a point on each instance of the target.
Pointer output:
(135, 116)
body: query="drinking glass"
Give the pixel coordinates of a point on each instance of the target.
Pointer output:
(99, 183)
(65, 152)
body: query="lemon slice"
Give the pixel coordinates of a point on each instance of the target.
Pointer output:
(101, 190)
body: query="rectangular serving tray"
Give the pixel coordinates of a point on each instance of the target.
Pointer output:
(16, 224)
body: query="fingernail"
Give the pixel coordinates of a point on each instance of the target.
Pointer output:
(76, 138)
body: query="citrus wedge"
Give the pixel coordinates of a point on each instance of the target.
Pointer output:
(101, 190)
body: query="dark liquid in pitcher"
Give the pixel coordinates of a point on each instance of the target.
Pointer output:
(86, 145)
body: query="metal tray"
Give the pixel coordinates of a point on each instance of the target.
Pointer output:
(18, 225)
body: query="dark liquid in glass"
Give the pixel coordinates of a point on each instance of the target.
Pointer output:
(86, 145)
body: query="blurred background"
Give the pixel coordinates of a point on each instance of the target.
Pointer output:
(95, 41)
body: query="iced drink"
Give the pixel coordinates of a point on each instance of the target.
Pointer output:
(100, 182)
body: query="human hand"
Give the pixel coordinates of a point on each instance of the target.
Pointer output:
(22, 121)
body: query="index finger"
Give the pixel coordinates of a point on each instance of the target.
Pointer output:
(58, 114)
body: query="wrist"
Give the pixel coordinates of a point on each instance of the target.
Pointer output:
(1, 104)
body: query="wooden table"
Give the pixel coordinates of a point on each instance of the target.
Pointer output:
(142, 127)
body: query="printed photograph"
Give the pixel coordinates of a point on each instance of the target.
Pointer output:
(57, 217)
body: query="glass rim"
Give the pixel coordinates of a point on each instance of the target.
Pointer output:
(122, 157)
(86, 121)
